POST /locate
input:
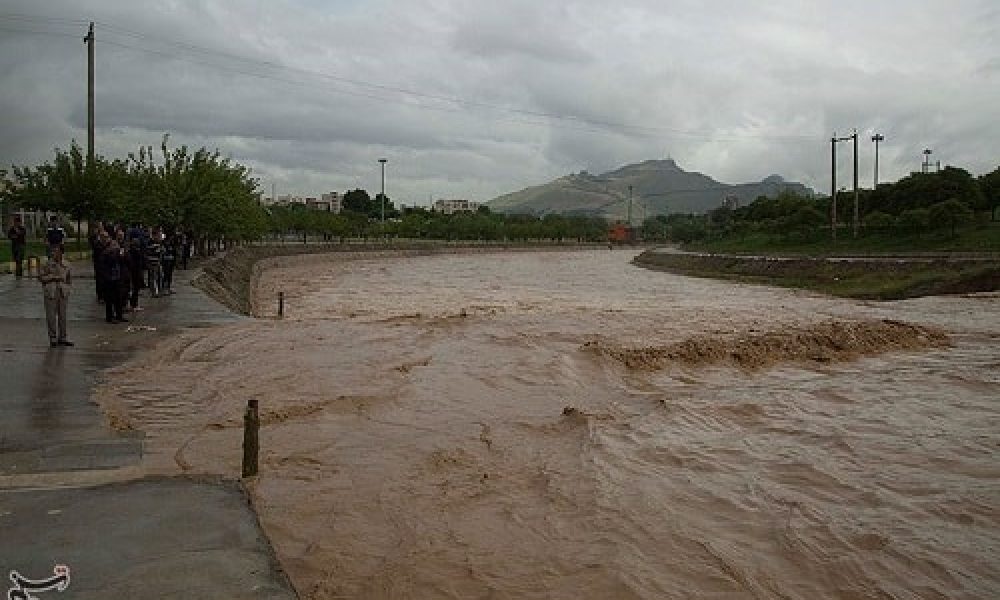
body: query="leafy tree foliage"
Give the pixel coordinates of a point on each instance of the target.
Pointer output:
(915, 220)
(878, 221)
(949, 215)
(200, 192)
(989, 185)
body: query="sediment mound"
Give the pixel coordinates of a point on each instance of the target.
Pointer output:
(833, 341)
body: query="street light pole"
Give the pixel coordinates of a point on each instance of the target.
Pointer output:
(383, 161)
(878, 137)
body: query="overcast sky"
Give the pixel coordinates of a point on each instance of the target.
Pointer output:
(472, 99)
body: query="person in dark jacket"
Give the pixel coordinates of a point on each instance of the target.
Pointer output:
(54, 235)
(154, 271)
(18, 237)
(125, 283)
(136, 267)
(98, 243)
(168, 258)
(110, 269)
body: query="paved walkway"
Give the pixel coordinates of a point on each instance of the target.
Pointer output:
(69, 492)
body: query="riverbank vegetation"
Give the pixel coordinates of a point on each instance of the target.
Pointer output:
(943, 213)
(213, 198)
(871, 278)
(946, 211)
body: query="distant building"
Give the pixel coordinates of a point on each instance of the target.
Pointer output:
(288, 199)
(329, 202)
(450, 207)
(333, 201)
(731, 201)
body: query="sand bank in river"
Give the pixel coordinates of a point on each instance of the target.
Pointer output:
(826, 342)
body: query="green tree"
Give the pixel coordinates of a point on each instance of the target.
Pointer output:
(358, 201)
(989, 185)
(915, 220)
(878, 221)
(67, 185)
(949, 214)
(804, 222)
(376, 210)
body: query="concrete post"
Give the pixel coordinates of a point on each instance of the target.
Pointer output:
(251, 441)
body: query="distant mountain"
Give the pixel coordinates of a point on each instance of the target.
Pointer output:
(658, 187)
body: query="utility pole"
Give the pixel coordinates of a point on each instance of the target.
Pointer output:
(878, 137)
(855, 136)
(630, 205)
(833, 181)
(89, 40)
(833, 186)
(383, 161)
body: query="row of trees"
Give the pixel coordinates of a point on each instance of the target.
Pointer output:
(420, 223)
(214, 198)
(199, 192)
(921, 202)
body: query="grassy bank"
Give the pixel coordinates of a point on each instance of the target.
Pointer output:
(868, 278)
(981, 238)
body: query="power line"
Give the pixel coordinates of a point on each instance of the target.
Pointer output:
(601, 125)
(415, 93)
(37, 32)
(61, 20)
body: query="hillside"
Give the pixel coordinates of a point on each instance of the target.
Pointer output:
(658, 187)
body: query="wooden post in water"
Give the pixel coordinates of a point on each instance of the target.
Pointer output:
(251, 442)
(281, 304)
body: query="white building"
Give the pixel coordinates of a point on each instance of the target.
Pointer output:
(329, 202)
(332, 202)
(450, 207)
(288, 199)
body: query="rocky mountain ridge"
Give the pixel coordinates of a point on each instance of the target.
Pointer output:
(658, 187)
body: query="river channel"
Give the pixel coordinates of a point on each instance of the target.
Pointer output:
(567, 425)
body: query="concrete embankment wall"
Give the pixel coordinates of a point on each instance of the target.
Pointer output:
(232, 278)
(923, 275)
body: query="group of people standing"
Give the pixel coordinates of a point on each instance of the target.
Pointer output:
(128, 260)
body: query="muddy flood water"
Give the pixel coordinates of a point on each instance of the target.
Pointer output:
(566, 425)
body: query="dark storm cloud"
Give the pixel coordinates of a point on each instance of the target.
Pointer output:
(475, 99)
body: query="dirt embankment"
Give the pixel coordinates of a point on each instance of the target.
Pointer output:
(232, 278)
(875, 278)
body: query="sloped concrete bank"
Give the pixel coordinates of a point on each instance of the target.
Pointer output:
(876, 278)
(232, 278)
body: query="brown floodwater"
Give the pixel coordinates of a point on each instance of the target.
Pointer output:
(567, 425)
